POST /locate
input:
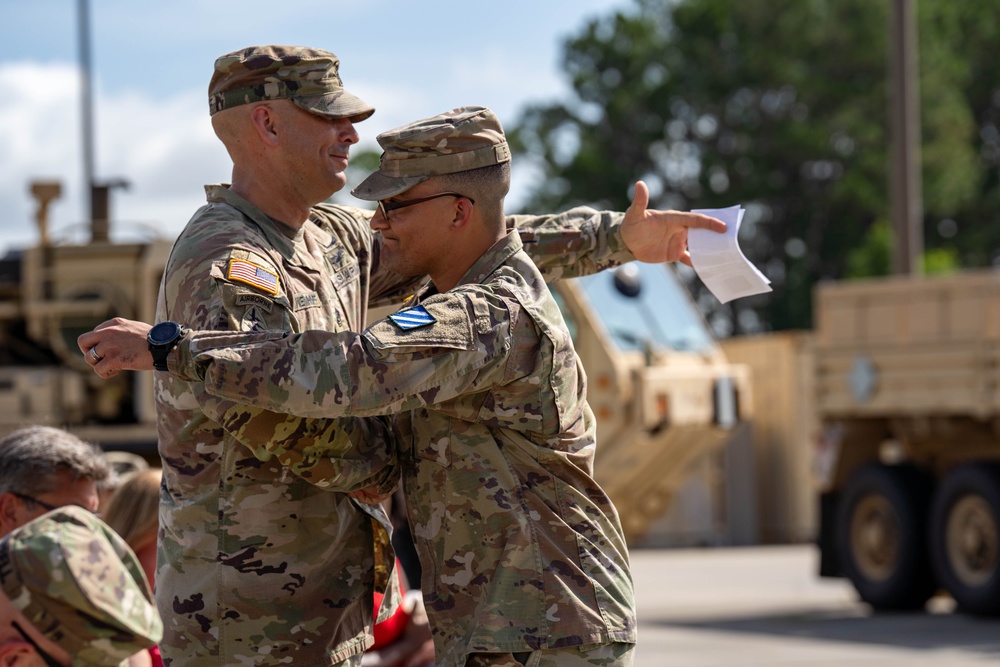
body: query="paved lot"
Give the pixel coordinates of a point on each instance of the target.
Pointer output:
(759, 606)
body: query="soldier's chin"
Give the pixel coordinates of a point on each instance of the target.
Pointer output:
(399, 267)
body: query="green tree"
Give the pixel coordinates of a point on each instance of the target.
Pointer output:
(782, 106)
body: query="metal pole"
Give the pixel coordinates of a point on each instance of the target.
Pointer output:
(86, 108)
(906, 195)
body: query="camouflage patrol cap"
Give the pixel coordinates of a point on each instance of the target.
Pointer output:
(81, 586)
(458, 140)
(308, 77)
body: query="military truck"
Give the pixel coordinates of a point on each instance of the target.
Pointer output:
(907, 396)
(50, 294)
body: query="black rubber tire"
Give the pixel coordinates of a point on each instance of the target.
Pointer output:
(881, 530)
(967, 507)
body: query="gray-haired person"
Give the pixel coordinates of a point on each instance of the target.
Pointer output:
(42, 468)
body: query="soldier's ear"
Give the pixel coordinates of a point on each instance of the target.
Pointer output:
(8, 512)
(264, 121)
(463, 212)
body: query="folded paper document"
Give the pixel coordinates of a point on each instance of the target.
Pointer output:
(718, 260)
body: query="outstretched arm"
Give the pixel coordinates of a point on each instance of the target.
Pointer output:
(583, 241)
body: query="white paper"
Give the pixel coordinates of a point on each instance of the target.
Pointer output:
(718, 260)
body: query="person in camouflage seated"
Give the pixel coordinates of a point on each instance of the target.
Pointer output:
(523, 555)
(264, 557)
(72, 593)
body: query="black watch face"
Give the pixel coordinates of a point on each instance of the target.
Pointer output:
(163, 333)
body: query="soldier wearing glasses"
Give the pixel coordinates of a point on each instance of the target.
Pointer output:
(256, 516)
(523, 557)
(42, 468)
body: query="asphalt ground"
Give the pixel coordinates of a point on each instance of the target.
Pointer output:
(744, 607)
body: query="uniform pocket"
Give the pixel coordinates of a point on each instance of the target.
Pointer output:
(432, 437)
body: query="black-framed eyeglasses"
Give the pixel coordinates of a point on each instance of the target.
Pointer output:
(49, 660)
(384, 205)
(31, 499)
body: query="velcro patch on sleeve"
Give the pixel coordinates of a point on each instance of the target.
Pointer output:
(412, 318)
(240, 270)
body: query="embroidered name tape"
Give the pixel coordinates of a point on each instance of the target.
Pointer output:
(249, 273)
(412, 318)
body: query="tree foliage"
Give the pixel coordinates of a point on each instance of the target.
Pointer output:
(782, 106)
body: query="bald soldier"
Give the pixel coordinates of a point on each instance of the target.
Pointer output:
(523, 555)
(264, 558)
(72, 593)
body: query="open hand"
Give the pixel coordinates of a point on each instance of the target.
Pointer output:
(661, 236)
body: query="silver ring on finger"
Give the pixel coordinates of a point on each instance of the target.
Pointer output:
(93, 355)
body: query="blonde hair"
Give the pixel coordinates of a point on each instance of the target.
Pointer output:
(133, 510)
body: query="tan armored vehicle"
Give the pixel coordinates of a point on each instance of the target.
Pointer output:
(49, 295)
(907, 376)
(671, 410)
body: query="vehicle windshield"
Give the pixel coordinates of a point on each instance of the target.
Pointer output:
(661, 315)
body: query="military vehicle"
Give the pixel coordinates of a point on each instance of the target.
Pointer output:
(50, 294)
(672, 413)
(907, 396)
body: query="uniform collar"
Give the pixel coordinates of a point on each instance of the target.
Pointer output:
(492, 259)
(282, 237)
(488, 262)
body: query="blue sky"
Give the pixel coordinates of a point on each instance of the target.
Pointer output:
(151, 63)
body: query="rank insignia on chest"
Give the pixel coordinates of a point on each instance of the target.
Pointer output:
(412, 318)
(249, 273)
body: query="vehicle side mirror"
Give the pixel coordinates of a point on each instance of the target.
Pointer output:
(627, 280)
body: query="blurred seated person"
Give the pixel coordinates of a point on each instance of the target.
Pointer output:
(122, 465)
(42, 468)
(133, 512)
(72, 593)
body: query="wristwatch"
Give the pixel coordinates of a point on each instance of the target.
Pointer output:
(161, 339)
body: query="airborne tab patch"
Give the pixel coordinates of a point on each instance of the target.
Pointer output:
(249, 273)
(412, 318)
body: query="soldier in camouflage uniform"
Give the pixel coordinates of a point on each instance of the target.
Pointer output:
(71, 592)
(264, 558)
(522, 551)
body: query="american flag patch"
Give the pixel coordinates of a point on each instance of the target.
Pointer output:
(251, 274)
(412, 318)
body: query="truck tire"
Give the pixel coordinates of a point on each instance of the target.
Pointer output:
(881, 536)
(965, 537)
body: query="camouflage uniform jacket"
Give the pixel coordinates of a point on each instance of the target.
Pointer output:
(521, 549)
(263, 557)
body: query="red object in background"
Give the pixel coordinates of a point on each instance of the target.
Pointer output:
(391, 629)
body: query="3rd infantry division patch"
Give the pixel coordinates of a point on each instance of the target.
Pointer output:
(412, 318)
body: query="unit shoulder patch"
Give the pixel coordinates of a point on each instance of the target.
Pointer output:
(251, 299)
(412, 318)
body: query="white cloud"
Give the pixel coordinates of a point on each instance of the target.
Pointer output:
(164, 148)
